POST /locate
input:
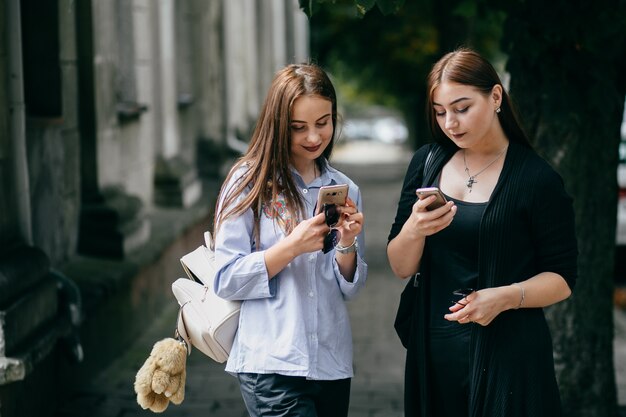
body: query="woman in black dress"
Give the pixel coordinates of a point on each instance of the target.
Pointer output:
(502, 248)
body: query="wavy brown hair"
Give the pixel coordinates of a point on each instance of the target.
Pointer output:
(268, 157)
(467, 67)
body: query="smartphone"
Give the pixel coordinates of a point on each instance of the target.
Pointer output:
(332, 194)
(422, 193)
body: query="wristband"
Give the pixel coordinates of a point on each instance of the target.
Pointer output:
(347, 249)
(521, 301)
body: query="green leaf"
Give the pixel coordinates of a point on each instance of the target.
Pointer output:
(307, 7)
(364, 6)
(310, 7)
(467, 9)
(387, 7)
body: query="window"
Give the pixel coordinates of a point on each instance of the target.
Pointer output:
(40, 54)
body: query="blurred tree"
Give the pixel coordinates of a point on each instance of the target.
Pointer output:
(567, 63)
(384, 59)
(567, 60)
(390, 55)
(360, 7)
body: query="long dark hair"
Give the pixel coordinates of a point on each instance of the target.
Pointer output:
(467, 67)
(267, 159)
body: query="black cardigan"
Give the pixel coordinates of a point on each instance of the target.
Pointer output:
(527, 228)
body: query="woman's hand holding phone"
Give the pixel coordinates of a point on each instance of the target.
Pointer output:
(313, 234)
(308, 235)
(350, 223)
(424, 193)
(431, 212)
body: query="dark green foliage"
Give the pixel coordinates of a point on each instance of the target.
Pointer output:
(383, 59)
(389, 56)
(361, 7)
(568, 71)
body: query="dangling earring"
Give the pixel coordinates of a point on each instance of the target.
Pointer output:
(498, 110)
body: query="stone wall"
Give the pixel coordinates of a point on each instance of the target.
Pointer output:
(112, 150)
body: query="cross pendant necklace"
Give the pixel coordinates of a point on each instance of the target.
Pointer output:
(471, 180)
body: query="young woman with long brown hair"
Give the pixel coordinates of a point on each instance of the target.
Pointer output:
(292, 353)
(488, 261)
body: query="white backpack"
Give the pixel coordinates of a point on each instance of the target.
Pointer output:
(205, 320)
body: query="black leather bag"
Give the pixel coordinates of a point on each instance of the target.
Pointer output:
(406, 307)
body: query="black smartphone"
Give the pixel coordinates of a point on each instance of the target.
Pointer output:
(422, 193)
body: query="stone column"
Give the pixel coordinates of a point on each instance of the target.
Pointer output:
(16, 125)
(298, 45)
(237, 39)
(112, 222)
(210, 99)
(176, 180)
(254, 95)
(31, 321)
(167, 78)
(272, 40)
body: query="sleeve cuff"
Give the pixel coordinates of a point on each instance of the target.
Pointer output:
(350, 289)
(254, 282)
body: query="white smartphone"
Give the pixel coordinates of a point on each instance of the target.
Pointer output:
(422, 193)
(332, 194)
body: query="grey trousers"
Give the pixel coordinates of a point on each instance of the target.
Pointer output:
(276, 395)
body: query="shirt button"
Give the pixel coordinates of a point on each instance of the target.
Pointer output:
(311, 294)
(305, 190)
(312, 257)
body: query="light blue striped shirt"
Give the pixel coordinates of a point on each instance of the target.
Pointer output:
(296, 323)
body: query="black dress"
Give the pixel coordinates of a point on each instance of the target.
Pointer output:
(454, 264)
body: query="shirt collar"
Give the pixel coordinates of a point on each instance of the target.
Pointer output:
(325, 178)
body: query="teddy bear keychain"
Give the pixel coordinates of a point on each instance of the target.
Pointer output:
(161, 379)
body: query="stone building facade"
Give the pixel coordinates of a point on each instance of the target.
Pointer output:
(117, 120)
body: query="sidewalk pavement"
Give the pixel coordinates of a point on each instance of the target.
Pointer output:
(619, 357)
(378, 354)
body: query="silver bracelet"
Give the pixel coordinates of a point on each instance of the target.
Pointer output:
(347, 249)
(521, 302)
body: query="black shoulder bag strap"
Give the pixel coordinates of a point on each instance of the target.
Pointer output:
(426, 173)
(403, 322)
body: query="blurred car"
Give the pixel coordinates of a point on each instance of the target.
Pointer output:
(357, 129)
(390, 130)
(385, 129)
(620, 235)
